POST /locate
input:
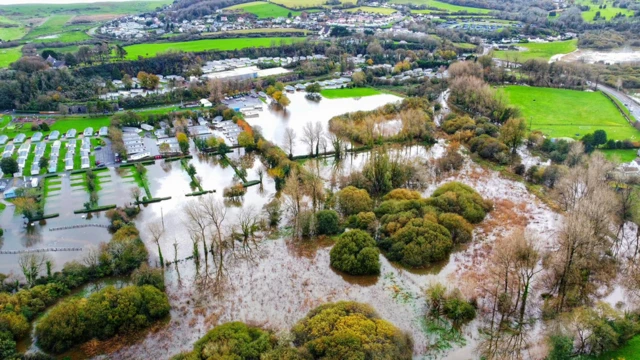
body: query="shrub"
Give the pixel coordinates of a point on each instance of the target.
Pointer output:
(356, 253)
(233, 340)
(418, 243)
(366, 221)
(148, 276)
(452, 125)
(402, 194)
(449, 304)
(352, 200)
(489, 148)
(327, 222)
(104, 314)
(455, 197)
(350, 330)
(460, 229)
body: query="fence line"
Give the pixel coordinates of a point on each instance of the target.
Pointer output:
(8, 252)
(78, 226)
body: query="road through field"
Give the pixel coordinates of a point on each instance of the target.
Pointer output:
(631, 104)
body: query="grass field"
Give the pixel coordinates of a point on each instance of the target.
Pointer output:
(371, 9)
(53, 25)
(63, 50)
(606, 14)
(98, 8)
(538, 51)
(569, 113)
(11, 33)
(262, 31)
(150, 50)
(621, 155)
(264, 9)
(304, 4)
(348, 93)
(441, 7)
(9, 55)
(63, 125)
(629, 351)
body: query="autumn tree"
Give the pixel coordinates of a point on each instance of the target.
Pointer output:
(183, 142)
(513, 133)
(289, 140)
(156, 229)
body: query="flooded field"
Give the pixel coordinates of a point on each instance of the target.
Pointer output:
(608, 57)
(274, 122)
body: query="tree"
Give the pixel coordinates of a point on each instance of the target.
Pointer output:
(513, 133)
(183, 142)
(352, 200)
(356, 253)
(599, 138)
(327, 222)
(31, 265)
(324, 334)
(233, 340)
(135, 193)
(289, 140)
(313, 88)
(283, 101)
(358, 78)
(121, 53)
(9, 165)
(246, 140)
(127, 81)
(308, 136)
(156, 229)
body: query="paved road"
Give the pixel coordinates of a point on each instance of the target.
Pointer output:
(632, 105)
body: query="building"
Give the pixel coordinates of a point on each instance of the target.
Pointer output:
(71, 134)
(36, 137)
(19, 139)
(104, 131)
(205, 103)
(10, 193)
(55, 135)
(88, 132)
(146, 127)
(85, 163)
(3, 139)
(68, 164)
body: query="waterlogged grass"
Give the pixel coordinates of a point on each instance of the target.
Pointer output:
(569, 113)
(9, 55)
(374, 10)
(348, 93)
(151, 50)
(629, 351)
(63, 125)
(264, 9)
(538, 51)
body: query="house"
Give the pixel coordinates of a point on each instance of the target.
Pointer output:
(205, 103)
(35, 169)
(68, 163)
(36, 137)
(289, 88)
(85, 164)
(55, 135)
(3, 139)
(10, 193)
(71, 134)
(53, 164)
(88, 132)
(104, 131)
(19, 139)
(21, 162)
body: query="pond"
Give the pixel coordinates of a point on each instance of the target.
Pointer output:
(274, 121)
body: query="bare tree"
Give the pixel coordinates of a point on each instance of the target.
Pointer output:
(156, 230)
(31, 265)
(216, 211)
(308, 136)
(246, 227)
(135, 194)
(289, 140)
(317, 135)
(197, 223)
(293, 194)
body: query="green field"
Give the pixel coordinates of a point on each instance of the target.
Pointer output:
(262, 31)
(264, 9)
(53, 25)
(348, 93)
(440, 7)
(9, 55)
(371, 9)
(569, 113)
(62, 125)
(150, 50)
(606, 14)
(629, 351)
(620, 155)
(304, 4)
(16, 31)
(99, 8)
(538, 51)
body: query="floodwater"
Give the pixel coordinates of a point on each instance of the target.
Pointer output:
(616, 56)
(274, 121)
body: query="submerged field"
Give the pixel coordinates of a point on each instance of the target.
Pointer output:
(538, 51)
(151, 50)
(569, 113)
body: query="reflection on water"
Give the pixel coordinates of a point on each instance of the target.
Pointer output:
(273, 121)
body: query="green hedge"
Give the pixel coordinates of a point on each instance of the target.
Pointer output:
(153, 200)
(251, 183)
(46, 216)
(97, 208)
(198, 193)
